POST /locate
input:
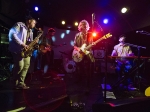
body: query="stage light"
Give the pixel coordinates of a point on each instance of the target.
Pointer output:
(53, 38)
(62, 35)
(94, 34)
(67, 31)
(124, 10)
(36, 8)
(76, 23)
(105, 21)
(63, 22)
(72, 43)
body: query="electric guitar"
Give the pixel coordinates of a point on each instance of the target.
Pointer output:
(45, 48)
(78, 55)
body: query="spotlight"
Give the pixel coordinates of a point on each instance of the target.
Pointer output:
(36, 8)
(124, 10)
(63, 22)
(105, 21)
(76, 23)
(94, 34)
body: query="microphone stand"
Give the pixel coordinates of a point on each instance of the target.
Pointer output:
(138, 48)
(105, 57)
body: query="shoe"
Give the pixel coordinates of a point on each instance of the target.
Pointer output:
(22, 87)
(131, 87)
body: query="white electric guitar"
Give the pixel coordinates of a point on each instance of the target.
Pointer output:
(78, 55)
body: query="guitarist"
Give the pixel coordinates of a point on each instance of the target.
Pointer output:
(19, 34)
(46, 54)
(85, 66)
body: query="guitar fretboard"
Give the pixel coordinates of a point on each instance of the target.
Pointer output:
(89, 46)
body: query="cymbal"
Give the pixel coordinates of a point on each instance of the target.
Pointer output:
(63, 53)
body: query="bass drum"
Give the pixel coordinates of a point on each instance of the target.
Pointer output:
(69, 65)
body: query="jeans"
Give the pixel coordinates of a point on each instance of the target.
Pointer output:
(21, 66)
(123, 69)
(84, 70)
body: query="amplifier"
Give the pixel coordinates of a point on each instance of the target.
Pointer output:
(98, 54)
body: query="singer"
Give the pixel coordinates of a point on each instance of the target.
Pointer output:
(84, 68)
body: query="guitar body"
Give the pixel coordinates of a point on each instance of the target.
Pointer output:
(44, 48)
(78, 55)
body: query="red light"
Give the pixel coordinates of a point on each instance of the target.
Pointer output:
(94, 34)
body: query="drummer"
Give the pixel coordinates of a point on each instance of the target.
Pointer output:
(123, 64)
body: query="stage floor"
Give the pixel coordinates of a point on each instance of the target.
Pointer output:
(63, 94)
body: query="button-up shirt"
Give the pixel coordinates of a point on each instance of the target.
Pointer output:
(121, 50)
(18, 36)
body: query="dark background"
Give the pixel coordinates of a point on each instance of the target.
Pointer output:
(52, 12)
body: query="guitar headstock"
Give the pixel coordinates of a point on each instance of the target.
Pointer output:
(108, 35)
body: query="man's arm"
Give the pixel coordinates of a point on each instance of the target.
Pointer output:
(114, 52)
(130, 53)
(13, 32)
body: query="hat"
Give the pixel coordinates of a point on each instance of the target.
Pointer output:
(51, 30)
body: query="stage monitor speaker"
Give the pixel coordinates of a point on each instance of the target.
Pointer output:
(140, 104)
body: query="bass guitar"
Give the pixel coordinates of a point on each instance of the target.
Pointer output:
(78, 55)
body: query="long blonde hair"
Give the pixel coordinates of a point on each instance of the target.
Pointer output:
(85, 23)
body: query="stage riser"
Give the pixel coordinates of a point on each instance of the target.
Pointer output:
(129, 105)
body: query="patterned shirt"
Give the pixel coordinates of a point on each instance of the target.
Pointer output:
(121, 50)
(81, 38)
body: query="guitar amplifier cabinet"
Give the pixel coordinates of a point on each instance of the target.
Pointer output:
(99, 54)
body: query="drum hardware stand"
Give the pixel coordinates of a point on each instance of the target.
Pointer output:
(138, 48)
(135, 68)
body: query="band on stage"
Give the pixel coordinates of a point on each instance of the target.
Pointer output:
(39, 50)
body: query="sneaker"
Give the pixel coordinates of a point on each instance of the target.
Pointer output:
(22, 87)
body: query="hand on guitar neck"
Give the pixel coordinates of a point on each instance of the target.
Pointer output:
(44, 48)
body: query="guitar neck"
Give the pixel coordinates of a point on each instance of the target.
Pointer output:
(89, 46)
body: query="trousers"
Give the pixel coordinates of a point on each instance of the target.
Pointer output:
(21, 66)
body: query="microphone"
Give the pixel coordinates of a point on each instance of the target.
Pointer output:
(93, 19)
(140, 31)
